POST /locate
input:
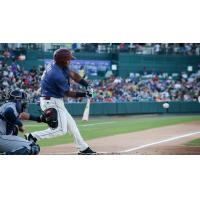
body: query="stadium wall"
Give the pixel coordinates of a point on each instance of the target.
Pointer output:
(128, 63)
(97, 109)
(35, 58)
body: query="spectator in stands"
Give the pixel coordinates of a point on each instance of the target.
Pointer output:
(137, 87)
(82, 72)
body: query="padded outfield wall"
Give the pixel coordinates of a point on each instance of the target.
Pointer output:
(97, 109)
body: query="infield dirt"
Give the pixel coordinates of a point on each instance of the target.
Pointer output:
(127, 141)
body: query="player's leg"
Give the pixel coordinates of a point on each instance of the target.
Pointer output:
(73, 130)
(65, 124)
(50, 133)
(70, 124)
(61, 117)
(14, 145)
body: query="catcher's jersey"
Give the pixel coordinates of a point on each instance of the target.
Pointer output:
(3, 108)
(55, 81)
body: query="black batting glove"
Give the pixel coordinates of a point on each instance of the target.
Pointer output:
(84, 83)
(89, 92)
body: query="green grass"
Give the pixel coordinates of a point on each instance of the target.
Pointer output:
(194, 143)
(112, 126)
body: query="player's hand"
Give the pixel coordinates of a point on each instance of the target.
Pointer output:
(24, 116)
(89, 92)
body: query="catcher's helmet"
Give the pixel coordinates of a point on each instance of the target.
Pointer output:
(20, 98)
(17, 95)
(62, 56)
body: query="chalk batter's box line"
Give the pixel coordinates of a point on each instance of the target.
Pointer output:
(72, 154)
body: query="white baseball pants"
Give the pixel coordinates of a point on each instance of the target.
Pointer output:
(65, 123)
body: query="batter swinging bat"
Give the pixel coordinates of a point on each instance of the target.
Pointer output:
(86, 111)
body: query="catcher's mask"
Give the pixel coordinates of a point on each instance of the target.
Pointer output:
(20, 98)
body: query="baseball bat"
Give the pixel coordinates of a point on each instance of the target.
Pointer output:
(86, 111)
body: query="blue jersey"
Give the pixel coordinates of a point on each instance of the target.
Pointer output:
(55, 81)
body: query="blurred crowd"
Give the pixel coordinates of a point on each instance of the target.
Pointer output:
(140, 48)
(146, 87)
(136, 87)
(13, 77)
(134, 48)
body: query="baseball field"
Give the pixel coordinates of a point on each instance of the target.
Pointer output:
(139, 134)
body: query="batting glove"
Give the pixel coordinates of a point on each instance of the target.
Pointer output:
(89, 92)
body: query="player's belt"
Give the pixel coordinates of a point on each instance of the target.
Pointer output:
(46, 98)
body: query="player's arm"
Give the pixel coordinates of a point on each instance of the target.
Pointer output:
(49, 116)
(64, 87)
(74, 94)
(28, 116)
(78, 79)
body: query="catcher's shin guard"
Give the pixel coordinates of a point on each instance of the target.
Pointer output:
(35, 149)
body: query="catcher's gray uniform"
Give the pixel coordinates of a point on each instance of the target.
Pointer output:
(10, 143)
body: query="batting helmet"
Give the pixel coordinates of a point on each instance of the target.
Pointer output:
(62, 56)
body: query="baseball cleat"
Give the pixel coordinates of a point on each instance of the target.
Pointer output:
(87, 151)
(29, 137)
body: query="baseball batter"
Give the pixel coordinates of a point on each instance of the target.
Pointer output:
(55, 85)
(10, 143)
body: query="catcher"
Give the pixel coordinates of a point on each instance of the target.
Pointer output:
(10, 124)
